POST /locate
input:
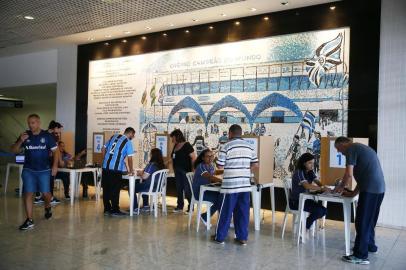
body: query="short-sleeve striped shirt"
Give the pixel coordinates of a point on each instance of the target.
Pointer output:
(236, 156)
(117, 149)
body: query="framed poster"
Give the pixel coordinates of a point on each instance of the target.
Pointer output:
(337, 160)
(98, 141)
(161, 142)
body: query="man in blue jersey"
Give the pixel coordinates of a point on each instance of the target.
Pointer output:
(238, 158)
(37, 144)
(114, 152)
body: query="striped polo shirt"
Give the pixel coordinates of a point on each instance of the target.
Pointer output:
(117, 149)
(236, 156)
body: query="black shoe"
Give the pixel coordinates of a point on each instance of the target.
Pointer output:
(67, 197)
(38, 200)
(177, 210)
(107, 212)
(48, 213)
(240, 242)
(213, 239)
(118, 214)
(27, 225)
(55, 201)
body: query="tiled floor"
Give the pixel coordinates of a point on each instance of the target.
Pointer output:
(80, 237)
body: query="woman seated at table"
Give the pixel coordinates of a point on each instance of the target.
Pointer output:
(204, 174)
(64, 159)
(156, 163)
(304, 179)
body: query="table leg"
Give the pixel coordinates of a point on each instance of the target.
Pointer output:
(301, 217)
(20, 172)
(95, 184)
(323, 223)
(6, 179)
(255, 205)
(199, 209)
(347, 226)
(272, 189)
(78, 178)
(72, 176)
(131, 182)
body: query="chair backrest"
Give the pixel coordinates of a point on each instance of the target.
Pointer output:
(190, 176)
(158, 177)
(287, 186)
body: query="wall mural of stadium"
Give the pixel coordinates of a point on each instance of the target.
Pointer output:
(293, 87)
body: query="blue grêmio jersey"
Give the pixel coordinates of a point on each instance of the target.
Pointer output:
(37, 150)
(117, 149)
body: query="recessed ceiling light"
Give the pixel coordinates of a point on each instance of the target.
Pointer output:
(144, 37)
(127, 32)
(1, 95)
(28, 17)
(284, 3)
(333, 7)
(107, 36)
(253, 9)
(124, 41)
(195, 20)
(186, 31)
(171, 24)
(106, 43)
(164, 34)
(223, 14)
(211, 27)
(90, 38)
(266, 18)
(148, 28)
(237, 23)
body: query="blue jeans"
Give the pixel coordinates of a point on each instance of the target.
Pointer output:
(141, 187)
(34, 181)
(315, 209)
(211, 196)
(182, 185)
(368, 208)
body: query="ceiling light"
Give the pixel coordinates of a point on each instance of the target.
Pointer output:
(211, 27)
(1, 96)
(90, 38)
(106, 43)
(171, 24)
(144, 37)
(124, 41)
(28, 17)
(284, 3)
(148, 28)
(237, 23)
(333, 7)
(223, 15)
(253, 9)
(195, 20)
(164, 34)
(107, 36)
(186, 31)
(266, 18)
(127, 32)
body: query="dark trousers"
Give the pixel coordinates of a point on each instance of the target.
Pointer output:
(315, 209)
(111, 183)
(211, 196)
(236, 206)
(64, 176)
(365, 222)
(141, 187)
(182, 185)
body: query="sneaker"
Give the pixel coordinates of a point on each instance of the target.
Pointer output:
(203, 221)
(177, 210)
(27, 225)
(355, 260)
(213, 239)
(107, 212)
(240, 242)
(67, 197)
(48, 213)
(145, 209)
(118, 214)
(55, 201)
(373, 250)
(135, 212)
(38, 200)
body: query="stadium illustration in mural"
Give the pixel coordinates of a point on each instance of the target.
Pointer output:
(297, 95)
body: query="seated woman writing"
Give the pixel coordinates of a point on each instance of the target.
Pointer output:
(156, 163)
(204, 174)
(304, 179)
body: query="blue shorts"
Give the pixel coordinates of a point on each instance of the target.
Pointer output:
(36, 181)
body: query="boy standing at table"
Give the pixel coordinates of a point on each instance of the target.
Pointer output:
(37, 144)
(237, 158)
(363, 164)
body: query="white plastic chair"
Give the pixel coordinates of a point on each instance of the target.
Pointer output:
(287, 185)
(158, 177)
(194, 202)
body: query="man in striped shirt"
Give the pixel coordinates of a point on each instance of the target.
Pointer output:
(237, 158)
(114, 153)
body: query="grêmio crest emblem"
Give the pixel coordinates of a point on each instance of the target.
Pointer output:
(42, 140)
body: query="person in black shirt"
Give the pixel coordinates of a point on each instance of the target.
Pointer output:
(183, 156)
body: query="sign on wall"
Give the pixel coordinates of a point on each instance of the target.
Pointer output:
(98, 140)
(337, 159)
(162, 144)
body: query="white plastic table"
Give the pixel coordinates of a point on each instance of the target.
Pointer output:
(256, 200)
(20, 170)
(74, 176)
(131, 183)
(345, 201)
